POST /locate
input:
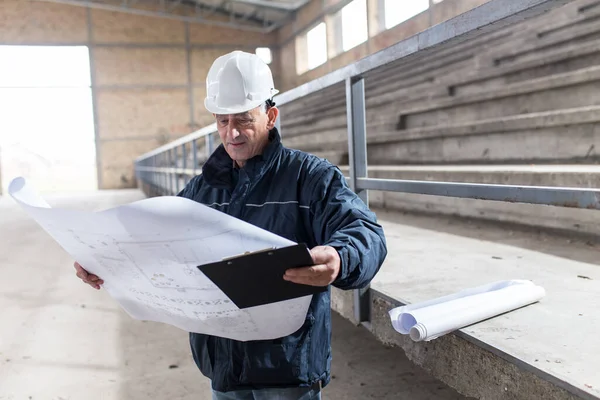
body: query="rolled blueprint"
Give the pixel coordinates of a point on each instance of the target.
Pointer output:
(431, 319)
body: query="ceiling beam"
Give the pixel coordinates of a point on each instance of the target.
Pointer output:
(157, 14)
(281, 22)
(218, 9)
(273, 4)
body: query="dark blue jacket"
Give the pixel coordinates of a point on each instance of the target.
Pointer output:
(305, 199)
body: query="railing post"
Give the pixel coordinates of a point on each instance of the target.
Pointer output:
(175, 173)
(158, 175)
(209, 145)
(164, 164)
(179, 173)
(154, 174)
(169, 175)
(195, 155)
(357, 156)
(144, 174)
(184, 164)
(174, 180)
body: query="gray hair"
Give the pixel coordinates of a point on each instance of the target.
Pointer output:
(267, 104)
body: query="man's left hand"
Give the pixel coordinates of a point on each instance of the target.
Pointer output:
(324, 271)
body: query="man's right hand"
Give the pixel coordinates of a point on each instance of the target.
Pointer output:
(86, 277)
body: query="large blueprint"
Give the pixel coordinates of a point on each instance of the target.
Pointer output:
(147, 253)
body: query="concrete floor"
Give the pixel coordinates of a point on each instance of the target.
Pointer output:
(61, 340)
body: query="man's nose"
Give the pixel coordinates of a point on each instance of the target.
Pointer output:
(234, 132)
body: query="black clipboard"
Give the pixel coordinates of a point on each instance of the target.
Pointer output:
(256, 278)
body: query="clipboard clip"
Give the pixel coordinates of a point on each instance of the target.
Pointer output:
(248, 253)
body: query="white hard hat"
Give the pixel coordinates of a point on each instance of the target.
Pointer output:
(238, 82)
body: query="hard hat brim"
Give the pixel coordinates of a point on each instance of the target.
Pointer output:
(238, 109)
(213, 108)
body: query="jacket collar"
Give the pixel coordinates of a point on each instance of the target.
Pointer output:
(218, 169)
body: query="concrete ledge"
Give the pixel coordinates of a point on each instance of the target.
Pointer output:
(526, 354)
(459, 361)
(342, 301)
(464, 364)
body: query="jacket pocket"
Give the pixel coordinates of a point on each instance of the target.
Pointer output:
(203, 353)
(281, 361)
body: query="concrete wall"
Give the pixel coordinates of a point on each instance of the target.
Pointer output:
(379, 38)
(145, 91)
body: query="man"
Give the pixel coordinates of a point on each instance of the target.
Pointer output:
(296, 195)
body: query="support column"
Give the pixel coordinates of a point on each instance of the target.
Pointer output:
(94, 89)
(357, 153)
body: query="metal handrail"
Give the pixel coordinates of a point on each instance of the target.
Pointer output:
(200, 133)
(553, 196)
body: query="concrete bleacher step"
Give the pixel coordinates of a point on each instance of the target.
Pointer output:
(579, 32)
(553, 22)
(575, 89)
(569, 135)
(529, 58)
(541, 352)
(383, 80)
(572, 57)
(318, 101)
(432, 97)
(432, 66)
(445, 55)
(581, 13)
(467, 102)
(387, 132)
(510, 123)
(425, 75)
(416, 82)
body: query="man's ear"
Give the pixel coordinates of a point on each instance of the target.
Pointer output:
(272, 114)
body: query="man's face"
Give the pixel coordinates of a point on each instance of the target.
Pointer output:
(246, 135)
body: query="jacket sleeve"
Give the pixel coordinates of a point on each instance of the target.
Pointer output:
(342, 220)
